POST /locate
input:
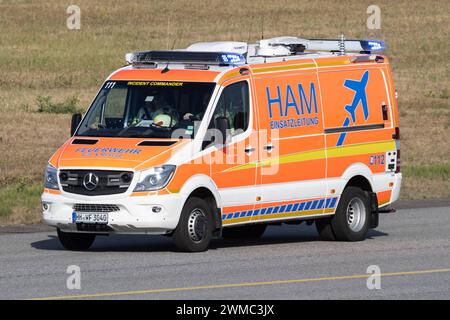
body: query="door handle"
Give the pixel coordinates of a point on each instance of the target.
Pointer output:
(269, 147)
(249, 149)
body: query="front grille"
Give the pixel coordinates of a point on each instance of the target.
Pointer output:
(95, 207)
(106, 181)
(91, 227)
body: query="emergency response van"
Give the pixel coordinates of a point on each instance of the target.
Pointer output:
(222, 139)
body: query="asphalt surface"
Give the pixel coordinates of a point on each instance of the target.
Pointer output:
(411, 248)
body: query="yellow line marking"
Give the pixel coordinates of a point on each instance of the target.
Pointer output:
(365, 148)
(244, 284)
(332, 63)
(331, 152)
(288, 67)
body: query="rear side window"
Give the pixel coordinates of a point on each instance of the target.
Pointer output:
(234, 105)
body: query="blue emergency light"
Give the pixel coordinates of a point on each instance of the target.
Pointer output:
(372, 45)
(231, 58)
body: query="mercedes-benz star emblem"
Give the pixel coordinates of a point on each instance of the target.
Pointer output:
(90, 181)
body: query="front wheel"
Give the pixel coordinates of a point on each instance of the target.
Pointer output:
(194, 230)
(75, 241)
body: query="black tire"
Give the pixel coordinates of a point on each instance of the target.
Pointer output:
(353, 199)
(324, 229)
(194, 230)
(75, 241)
(250, 232)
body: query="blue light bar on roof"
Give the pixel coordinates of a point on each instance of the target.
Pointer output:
(372, 45)
(231, 58)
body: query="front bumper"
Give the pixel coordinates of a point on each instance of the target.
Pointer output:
(135, 213)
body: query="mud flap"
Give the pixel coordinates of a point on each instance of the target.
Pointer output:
(374, 216)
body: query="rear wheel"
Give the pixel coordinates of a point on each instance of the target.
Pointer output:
(352, 218)
(194, 230)
(251, 232)
(75, 241)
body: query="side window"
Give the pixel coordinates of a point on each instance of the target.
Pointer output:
(234, 105)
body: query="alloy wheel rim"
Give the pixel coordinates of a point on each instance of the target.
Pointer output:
(356, 214)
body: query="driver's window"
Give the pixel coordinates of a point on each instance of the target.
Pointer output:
(234, 105)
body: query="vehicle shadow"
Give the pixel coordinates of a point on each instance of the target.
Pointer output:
(284, 234)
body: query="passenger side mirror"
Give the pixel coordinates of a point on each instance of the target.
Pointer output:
(76, 119)
(223, 126)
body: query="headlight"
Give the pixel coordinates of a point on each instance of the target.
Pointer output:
(51, 178)
(155, 178)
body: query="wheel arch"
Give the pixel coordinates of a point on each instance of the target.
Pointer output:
(203, 187)
(360, 182)
(359, 175)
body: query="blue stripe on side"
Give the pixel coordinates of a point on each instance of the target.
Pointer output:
(333, 202)
(308, 205)
(317, 204)
(320, 206)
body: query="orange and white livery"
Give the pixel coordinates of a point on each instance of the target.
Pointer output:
(225, 138)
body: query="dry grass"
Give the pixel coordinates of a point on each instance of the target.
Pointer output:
(39, 56)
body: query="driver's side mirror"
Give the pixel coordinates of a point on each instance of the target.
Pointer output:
(76, 119)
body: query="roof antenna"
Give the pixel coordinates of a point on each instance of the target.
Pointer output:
(173, 43)
(250, 29)
(342, 45)
(262, 27)
(168, 31)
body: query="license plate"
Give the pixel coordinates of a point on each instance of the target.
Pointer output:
(99, 218)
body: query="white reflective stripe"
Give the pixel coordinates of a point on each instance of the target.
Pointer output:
(274, 192)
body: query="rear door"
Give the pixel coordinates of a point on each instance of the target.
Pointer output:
(358, 122)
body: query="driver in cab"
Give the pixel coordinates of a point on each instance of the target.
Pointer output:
(156, 111)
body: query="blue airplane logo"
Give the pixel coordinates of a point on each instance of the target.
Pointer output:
(360, 95)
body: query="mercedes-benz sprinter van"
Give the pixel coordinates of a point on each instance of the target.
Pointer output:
(225, 138)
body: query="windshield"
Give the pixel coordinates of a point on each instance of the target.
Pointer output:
(148, 109)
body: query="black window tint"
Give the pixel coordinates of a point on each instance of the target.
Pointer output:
(234, 105)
